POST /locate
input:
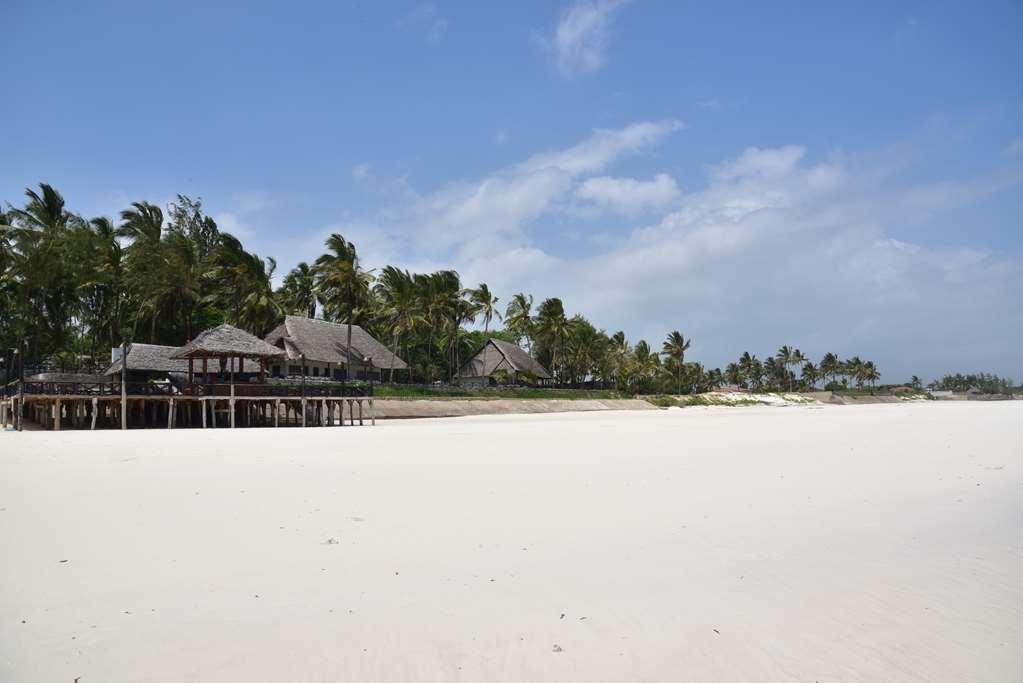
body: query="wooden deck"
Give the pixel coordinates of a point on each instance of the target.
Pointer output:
(111, 405)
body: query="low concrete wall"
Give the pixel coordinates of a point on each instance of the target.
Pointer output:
(402, 408)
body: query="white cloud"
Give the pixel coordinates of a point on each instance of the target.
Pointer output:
(425, 19)
(581, 38)
(361, 173)
(479, 216)
(628, 195)
(1014, 150)
(710, 104)
(228, 221)
(252, 201)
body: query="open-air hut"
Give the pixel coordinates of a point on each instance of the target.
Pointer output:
(147, 362)
(500, 358)
(317, 348)
(228, 345)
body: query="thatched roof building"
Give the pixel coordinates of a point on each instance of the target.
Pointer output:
(225, 341)
(157, 359)
(325, 343)
(497, 355)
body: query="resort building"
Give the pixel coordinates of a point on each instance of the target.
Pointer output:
(148, 362)
(317, 348)
(219, 379)
(501, 362)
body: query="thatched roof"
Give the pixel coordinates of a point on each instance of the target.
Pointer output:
(502, 355)
(150, 357)
(325, 342)
(159, 358)
(225, 340)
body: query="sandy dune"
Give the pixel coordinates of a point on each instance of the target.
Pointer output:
(804, 543)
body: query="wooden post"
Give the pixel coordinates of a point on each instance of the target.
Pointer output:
(19, 416)
(170, 414)
(124, 384)
(56, 415)
(323, 412)
(277, 412)
(360, 413)
(202, 406)
(95, 408)
(231, 402)
(372, 414)
(303, 412)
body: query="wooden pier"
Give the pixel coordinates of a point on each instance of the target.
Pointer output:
(117, 405)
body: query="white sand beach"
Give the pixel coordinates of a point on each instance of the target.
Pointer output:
(817, 543)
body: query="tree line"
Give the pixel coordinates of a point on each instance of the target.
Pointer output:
(74, 287)
(984, 382)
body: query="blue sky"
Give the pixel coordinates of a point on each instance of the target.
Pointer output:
(835, 178)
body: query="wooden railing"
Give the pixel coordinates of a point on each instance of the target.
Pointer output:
(146, 389)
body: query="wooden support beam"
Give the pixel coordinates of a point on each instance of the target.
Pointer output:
(124, 391)
(303, 412)
(56, 415)
(372, 414)
(277, 412)
(95, 409)
(170, 414)
(202, 409)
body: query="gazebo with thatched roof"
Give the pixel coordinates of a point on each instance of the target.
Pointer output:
(227, 343)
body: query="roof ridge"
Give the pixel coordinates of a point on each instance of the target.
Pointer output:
(321, 320)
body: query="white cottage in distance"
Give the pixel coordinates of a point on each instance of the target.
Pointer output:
(317, 348)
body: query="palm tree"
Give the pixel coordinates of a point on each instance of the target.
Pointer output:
(752, 369)
(675, 347)
(870, 373)
(786, 357)
(584, 346)
(830, 366)
(796, 360)
(644, 364)
(298, 291)
(810, 375)
(400, 307)
(45, 239)
(733, 375)
(551, 328)
(342, 286)
(518, 317)
(853, 368)
(484, 304)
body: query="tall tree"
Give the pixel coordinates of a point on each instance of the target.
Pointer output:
(518, 317)
(675, 347)
(401, 307)
(551, 328)
(298, 291)
(484, 304)
(342, 285)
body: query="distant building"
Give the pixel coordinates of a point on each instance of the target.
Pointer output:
(502, 361)
(318, 348)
